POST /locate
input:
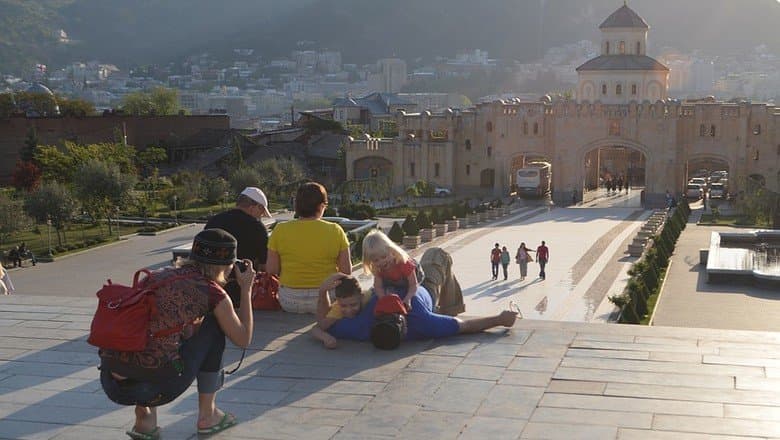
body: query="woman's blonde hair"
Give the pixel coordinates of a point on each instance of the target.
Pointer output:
(214, 272)
(377, 244)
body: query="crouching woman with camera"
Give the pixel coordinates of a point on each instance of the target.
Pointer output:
(192, 296)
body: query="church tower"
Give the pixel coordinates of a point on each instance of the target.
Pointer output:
(623, 72)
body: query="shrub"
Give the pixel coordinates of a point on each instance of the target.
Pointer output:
(60, 248)
(357, 211)
(396, 233)
(436, 217)
(410, 226)
(423, 221)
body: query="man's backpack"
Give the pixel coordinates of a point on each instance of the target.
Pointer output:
(123, 314)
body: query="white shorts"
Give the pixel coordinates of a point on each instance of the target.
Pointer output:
(299, 300)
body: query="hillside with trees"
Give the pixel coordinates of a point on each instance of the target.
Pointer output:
(159, 31)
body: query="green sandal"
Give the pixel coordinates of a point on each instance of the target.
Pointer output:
(228, 421)
(137, 435)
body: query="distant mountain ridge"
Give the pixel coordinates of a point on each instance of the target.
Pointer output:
(154, 31)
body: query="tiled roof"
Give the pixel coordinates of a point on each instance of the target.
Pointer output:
(622, 62)
(624, 17)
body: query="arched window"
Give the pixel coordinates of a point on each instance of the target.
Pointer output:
(536, 128)
(489, 151)
(638, 48)
(436, 169)
(619, 89)
(525, 128)
(468, 144)
(622, 48)
(411, 169)
(603, 89)
(633, 89)
(712, 130)
(606, 51)
(489, 127)
(702, 130)
(468, 169)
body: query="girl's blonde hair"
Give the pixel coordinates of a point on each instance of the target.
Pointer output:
(377, 244)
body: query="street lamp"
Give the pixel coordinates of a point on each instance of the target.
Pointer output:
(116, 218)
(175, 214)
(48, 228)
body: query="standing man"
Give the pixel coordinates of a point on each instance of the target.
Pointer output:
(495, 260)
(243, 222)
(542, 255)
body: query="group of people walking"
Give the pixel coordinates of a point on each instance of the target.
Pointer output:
(500, 256)
(616, 184)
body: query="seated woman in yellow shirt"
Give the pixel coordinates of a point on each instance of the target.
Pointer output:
(305, 251)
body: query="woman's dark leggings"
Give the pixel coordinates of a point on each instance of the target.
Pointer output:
(201, 358)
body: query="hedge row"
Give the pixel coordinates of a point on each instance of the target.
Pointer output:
(647, 273)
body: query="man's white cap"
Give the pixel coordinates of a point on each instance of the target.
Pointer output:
(258, 196)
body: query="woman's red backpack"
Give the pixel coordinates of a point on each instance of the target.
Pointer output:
(121, 321)
(265, 292)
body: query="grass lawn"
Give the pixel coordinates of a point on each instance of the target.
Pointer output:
(204, 211)
(728, 220)
(74, 236)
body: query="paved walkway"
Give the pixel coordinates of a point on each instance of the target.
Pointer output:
(688, 300)
(539, 380)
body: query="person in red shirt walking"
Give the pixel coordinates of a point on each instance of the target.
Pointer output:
(542, 256)
(495, 260)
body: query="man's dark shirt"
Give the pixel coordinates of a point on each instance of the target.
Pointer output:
(252, 238)
(250, 233)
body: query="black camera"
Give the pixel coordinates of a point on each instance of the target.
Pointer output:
(241, 265)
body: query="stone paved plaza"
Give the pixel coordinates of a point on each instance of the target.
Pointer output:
(547, 378)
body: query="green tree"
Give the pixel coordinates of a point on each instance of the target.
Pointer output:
(148, 159)
(103, 190)
(12, 218)
(62, 164)
(214, 190)
(164, 101)
(31, 141)
(137, 103)
(52, 201)
(76, 108)
(243, 177)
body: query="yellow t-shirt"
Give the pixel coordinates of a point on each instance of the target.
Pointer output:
(308, 251)
(335, 308)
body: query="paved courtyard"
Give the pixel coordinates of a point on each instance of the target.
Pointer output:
(546, 378)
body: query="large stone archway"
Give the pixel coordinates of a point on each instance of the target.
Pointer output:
(520, 160)
(579, 170)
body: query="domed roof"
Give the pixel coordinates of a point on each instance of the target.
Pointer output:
(624, 17)
(39, 88)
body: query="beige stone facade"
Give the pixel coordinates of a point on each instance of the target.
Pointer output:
(477, 150)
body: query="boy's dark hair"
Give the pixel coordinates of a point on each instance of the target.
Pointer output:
(387, 332)
(349, 287)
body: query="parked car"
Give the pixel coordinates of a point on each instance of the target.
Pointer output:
(442, 192)
(717, 191)
(701, 181)
(717, 176)
(693, 191)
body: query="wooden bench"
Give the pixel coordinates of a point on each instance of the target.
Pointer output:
(9, 262)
